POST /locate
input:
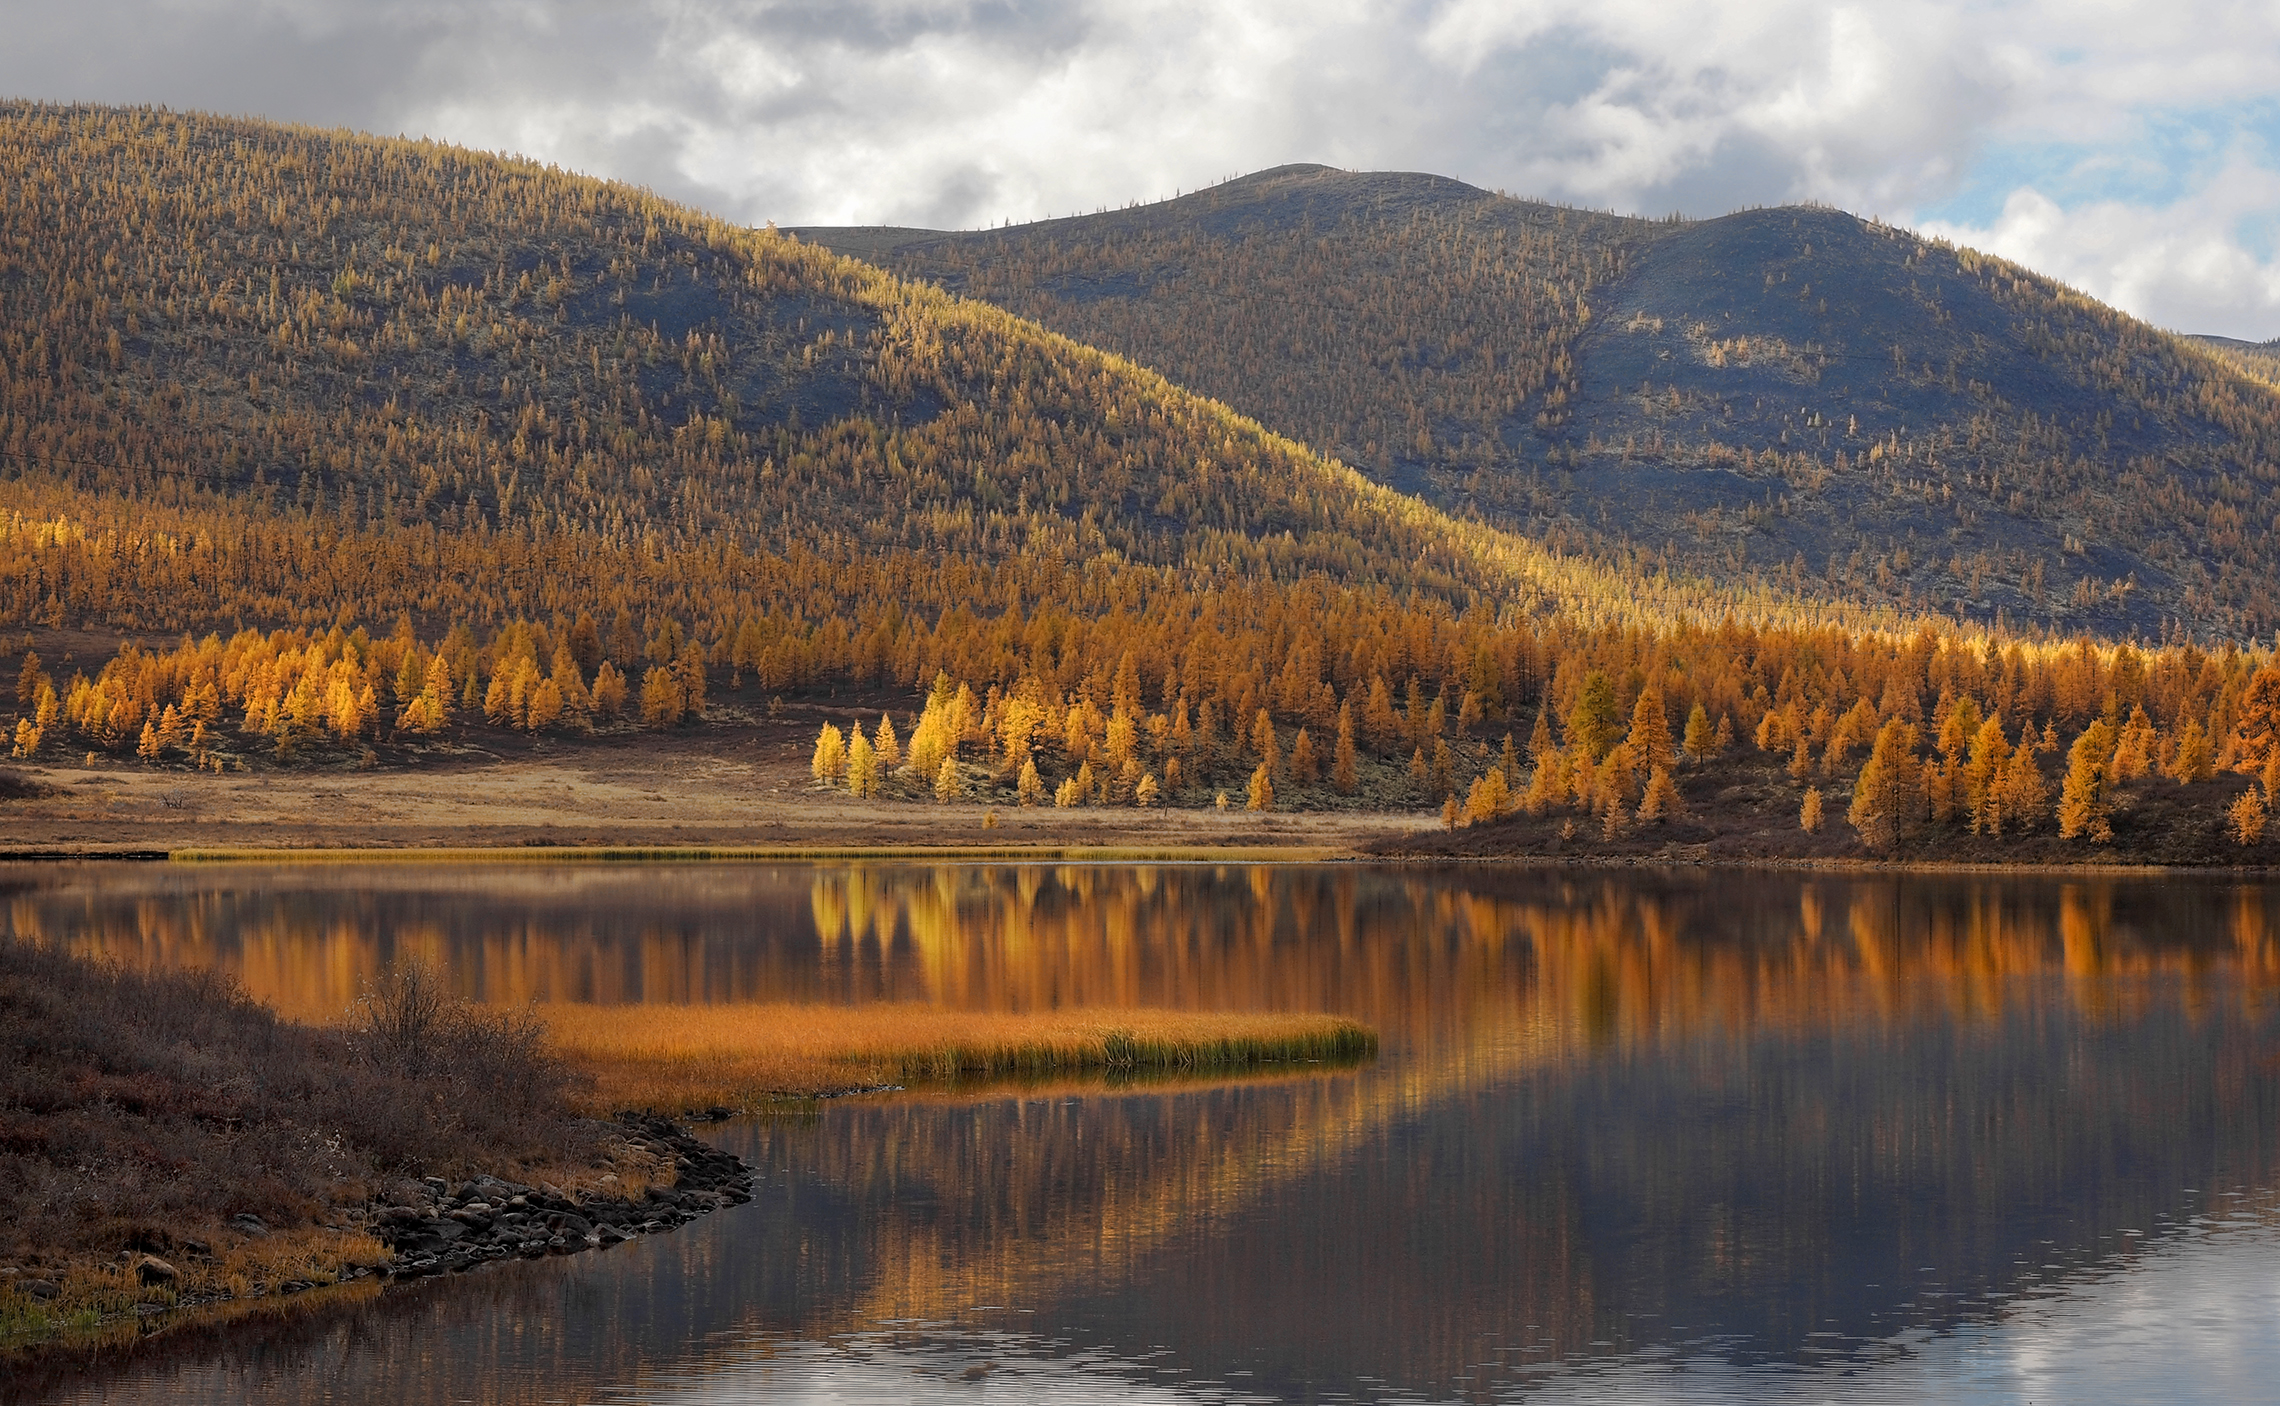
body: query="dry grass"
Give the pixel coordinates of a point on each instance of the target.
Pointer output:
(682, 1058)
(566, 854)
(98, 1299)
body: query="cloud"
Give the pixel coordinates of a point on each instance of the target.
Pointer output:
(966, 112)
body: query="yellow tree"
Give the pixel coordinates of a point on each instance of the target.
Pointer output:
(1888, 794)
(1649, 740)
(830, 762)
(2082, 809)
(1661, 801)
(862, 765)
(1262, 796)
(1489, 799)
(1343, 772)
(1302, 763)
(1701, 737)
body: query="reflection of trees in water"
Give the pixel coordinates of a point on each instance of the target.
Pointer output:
(1618, 1107)
(1430, 953)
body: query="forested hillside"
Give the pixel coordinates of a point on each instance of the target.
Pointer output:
(425, 442)
(1789, 395)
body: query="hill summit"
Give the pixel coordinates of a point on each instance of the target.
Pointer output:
(1795, 394)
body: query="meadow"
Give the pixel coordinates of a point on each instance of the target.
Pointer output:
(688, 1059)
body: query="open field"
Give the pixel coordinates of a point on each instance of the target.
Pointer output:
(737, 783)
(689, 1058)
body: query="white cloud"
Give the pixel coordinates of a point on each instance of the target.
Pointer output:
(961, 112)
(2181, 265)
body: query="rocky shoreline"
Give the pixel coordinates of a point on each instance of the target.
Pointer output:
(453, 1228)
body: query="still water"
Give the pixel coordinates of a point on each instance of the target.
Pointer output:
(1641, 1136)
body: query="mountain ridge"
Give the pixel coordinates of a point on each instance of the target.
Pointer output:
(1790, 395)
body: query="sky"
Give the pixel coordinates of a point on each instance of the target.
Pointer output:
(2129, 148)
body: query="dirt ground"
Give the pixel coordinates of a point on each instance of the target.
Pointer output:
(732, 782)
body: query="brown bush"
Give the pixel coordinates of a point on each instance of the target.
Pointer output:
(135, 1105)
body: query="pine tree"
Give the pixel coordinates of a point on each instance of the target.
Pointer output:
(1591, 724)
(2256, 729)
(1661, 801)
(2133, 749)
(830, 761)
(1379, 724)
(1144, 795)
(1302, 764)
(1982, 777)
(2246, 817)
(1343, 773)
(946, 787)
(2023, 793)
(1489, 799)
(1809, 814)
(1649, 738)
(2082, 808)
(1031, 787)
(1886, 797)
(886, 744)
(2194, 760)
(862, 765)
(1262, 793)
(1700, 738)
(609, 691)
(1263, 741)
(1540, 742)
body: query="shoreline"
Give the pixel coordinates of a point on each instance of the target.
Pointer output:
(1260, 854)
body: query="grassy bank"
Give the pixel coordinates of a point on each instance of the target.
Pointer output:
(166, 1141)
(602, 854)
(685, 1058)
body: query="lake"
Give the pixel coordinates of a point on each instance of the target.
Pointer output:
(1659, 1135)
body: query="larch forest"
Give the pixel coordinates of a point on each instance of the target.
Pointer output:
(339, 443)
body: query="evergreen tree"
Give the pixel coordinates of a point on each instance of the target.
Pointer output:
(1661, 801)
(1489, 799)
(1343, 772)
(830, 761)
(1262, 792)
(1302, 763)
(862, 765)
(1649, 739)
(2082, 808)
(1886, 797)
(1701, 739)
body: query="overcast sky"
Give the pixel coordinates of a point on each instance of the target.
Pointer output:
(2130, 148)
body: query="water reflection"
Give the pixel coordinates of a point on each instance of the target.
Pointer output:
(1772, 1133)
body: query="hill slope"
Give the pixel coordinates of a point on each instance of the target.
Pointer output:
(255, 372)
(1791, 394)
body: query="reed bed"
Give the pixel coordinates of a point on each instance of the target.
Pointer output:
(685, 1058)
(600, 854)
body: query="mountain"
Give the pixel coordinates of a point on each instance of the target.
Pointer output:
(452, 446)
(263, 373)
(1792, 395)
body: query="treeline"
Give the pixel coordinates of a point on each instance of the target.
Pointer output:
(1178, 695)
